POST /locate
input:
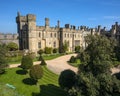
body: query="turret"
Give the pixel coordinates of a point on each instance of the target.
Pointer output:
(58, 24)
(99, 28)
(46, 22)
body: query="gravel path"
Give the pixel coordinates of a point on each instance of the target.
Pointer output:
(60, 64)
(56, 65)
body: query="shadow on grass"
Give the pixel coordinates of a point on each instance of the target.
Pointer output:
(22, 72)
(117, 75)
(29, 81)
(50, 90)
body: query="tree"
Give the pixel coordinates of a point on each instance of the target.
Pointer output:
(67, 79)
(3, 59)
(40, 52)
(48, 50)
(94, 76)
(65, 47)
(26, 62)
(72, 59)
(12, 46)
(77, 49)
(36, 72)
(43, 62)
(55, 50)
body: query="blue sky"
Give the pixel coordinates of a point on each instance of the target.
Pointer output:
(76, 12)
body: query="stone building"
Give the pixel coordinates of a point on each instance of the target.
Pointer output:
(8, 37)
(115, 31)
(33, 37)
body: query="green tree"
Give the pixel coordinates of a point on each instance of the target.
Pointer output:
(26, 62)
(3, 59)
(77, 49)
(67, 79)
(72, 59)
(65, 47)
(48, 50)
(43, 62)
(94, 76)
(12, 46)
(36, 72)
(40, 52)
(55, 50)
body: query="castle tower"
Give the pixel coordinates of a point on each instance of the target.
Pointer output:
(21, 24)
(31, 21)
(47, 22)
(99, 29)
(58, 24)
(26, 27)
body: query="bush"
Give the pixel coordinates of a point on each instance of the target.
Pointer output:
(67, 79)
(12, 46)
(40, 58)
(40, 52)
(77, 49)
(36, 72)
(43, 62)
(48, 50)
(26, 62)
(55, 50)
(72, 59)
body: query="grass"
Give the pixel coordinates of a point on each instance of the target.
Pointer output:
(76, 64)
(17, 59)
(14, 60)
(47, 86)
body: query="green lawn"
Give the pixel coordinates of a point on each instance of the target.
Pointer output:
(17, 59)
(47, 86)
(76, 64)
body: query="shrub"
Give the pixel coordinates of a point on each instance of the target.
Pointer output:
(43, 62)
(40, 58)
(67, 79)
(36, 72)
(40, 52)
(77, 49)
(72, 59)
(26, 62)
(48, 50)
(12, 46)
(55, 50)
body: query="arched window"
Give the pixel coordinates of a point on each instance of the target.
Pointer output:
(39, 34)
(51, 35)
(39, 44)
(54, 44)
(65, 35)
(55, 35)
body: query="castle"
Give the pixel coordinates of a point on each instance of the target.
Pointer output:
(33, 37)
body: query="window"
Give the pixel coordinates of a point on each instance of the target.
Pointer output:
(65, 35)
(55, 34)
(54, 44)
(68, 35)
(39, 34)
(39, 44)
(51, 35)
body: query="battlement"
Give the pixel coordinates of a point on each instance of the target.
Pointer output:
(8, 36)
(31, 17)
